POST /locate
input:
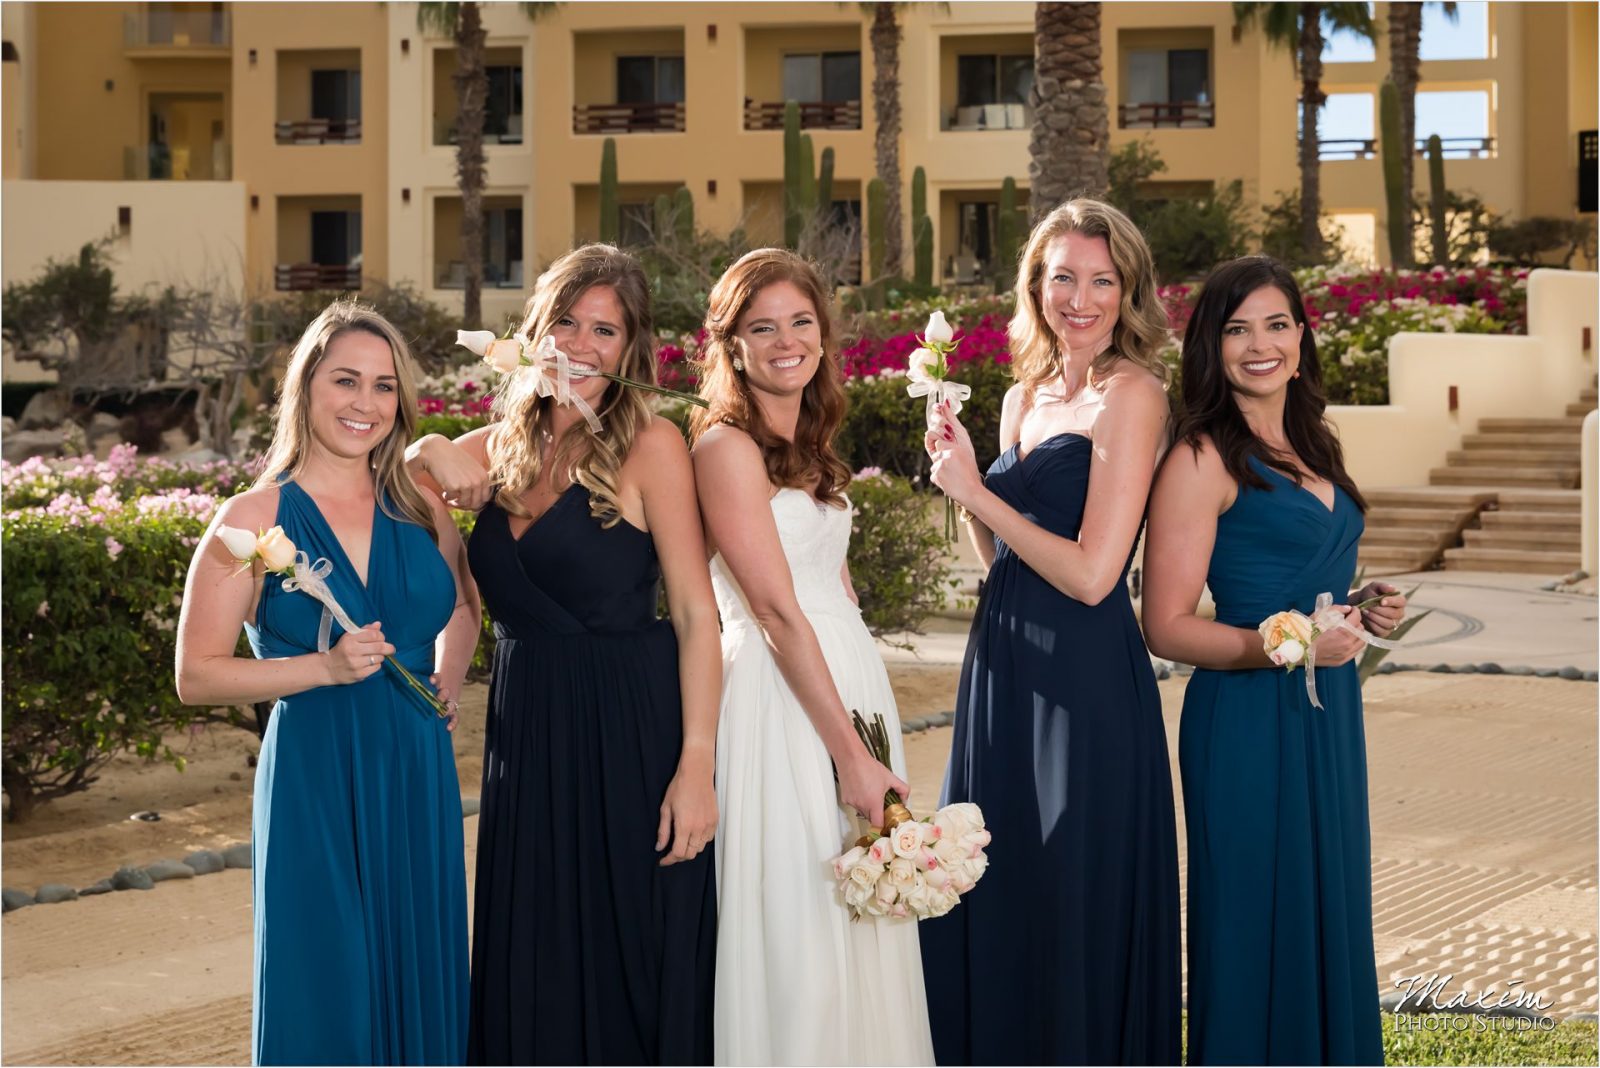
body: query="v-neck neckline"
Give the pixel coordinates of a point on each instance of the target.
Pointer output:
(540, 518)
(1328, 508)
(344, 555)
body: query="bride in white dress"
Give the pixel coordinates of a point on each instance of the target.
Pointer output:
(797, 982)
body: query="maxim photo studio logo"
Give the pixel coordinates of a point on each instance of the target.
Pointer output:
(1427, 1003)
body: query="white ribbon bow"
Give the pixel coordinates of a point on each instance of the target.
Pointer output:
(1325, 619)
(551, 369)
(311, 578)
(938, 391)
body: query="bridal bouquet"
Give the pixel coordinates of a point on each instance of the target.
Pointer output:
(911, 867)
(1289, 638)
(279, 556)
(928, 374)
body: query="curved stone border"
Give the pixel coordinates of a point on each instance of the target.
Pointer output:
(1570, 673)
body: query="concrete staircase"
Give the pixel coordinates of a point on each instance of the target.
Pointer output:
(1531, 530)
(1407, 529)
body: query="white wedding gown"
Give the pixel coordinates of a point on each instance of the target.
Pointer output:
(797, 982)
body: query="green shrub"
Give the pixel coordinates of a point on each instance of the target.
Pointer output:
(897, 554)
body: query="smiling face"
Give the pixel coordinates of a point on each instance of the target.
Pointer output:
(1081, 292)
(780, 340)
(1261, 344)
(354, 394)
(593, 336)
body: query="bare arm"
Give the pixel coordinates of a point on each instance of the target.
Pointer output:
(739, 521)
(455, 471)
(1010, 432)
(689, 811)
(218, 598)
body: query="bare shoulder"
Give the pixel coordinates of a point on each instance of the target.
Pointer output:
(1134, 385)
(254, 510)
(476, 443)
(661, 436)
(1199, 458)
(728, 453)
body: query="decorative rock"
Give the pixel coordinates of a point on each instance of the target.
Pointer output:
(162, 870)
(944, 719)
(235, 776)
(237, 856)
(8, 425)
(469, 806)
(1518, 669)
(198, 455)
(205, 862)
(1570, 672)
(1544, 673)
(102, 887)
(1442, 669)
(1591, 676)
(46, 409)
(22, 444)
(14, 899)
(912, 726)
(54, 893)
(1387, 668)
(132, 879)
(1491, 668)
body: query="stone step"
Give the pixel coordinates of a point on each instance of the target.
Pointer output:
(1540, 500)
(1433, 498)
(1408, 537)
(1509, 440)
(1553, 521)
(1514, 538)
(1513, 457)
(1531, 426)
(1581, 409)
(1590, 394)
(1524, 561)
(1388, 560)
(1554, 478)
(1437, 519)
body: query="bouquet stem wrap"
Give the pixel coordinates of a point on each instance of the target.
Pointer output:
(1324, 619)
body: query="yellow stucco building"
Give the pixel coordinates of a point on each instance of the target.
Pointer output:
(295, 146)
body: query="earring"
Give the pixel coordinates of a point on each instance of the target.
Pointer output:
(1295, 375)
(738, 364)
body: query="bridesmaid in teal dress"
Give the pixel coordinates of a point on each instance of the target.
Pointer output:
(359, 875)
(1255, 502)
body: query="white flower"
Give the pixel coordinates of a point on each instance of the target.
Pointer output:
(843, 864)
(880, 851)
(476, 341)
(1290, 651)
(937, 329)
(504, 354)
(241, 544)
(902, 874)
(920, 369)
(907, 839)
(276, 550)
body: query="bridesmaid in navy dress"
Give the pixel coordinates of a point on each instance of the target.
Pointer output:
(594, 926)
(1256, 503)
(1067, 952)
(360, 888)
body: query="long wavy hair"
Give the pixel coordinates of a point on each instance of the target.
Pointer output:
(1141, 327)
(286, 456)
(809, 460)
(1209, 405)
(590, 458)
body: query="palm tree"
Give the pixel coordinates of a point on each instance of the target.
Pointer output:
(1405, 69)
(1298, 28)
(1069, 147)
(886, 113)
(463, 22)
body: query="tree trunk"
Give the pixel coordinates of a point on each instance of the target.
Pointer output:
(886, 113)
(19, 791)
(1311, 100)
(1069, 148)
(472, 91)
(1405, 69)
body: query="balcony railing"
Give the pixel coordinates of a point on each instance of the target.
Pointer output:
(155, 162)
(453, 275)
(507, 133)
(814, 115)
(319, 132)
(992, 117)
(627, 118)
(297, 277)
(1367, 148)
(159, 28)
(1182, 114)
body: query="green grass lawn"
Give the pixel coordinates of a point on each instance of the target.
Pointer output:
(1478, 1040)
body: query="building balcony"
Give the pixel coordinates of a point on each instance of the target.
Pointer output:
(318, 132)
(1355, 148)
(302, 277)
(154, 162)
(815, 115)
(168, 31)
(628, 118)
(1174, 114)
(991, 117)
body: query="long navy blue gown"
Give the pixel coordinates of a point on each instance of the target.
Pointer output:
(584, 950)
(1067, 951)
(1275, 799)
(360, 882)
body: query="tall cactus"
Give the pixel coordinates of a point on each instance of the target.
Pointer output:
(921, 229)
(825, 181)
(1008, 241)
(877, 230)
(791, 174)
(610, 213)
(1396, 195)
(808, 181)
(1436, 196)
(663, 216)
(683, 214)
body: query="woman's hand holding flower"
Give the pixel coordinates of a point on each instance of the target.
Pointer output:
(1339, 646)
(955, 464)
(1382, 618)
(358, 655)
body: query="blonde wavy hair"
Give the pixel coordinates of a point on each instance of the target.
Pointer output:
(590, 458)
(1141, 327)
(397, 494)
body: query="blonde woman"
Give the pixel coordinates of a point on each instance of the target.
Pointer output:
(595, 911)
(1067, 952)
(359, 882)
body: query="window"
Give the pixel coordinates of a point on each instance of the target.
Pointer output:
(502, 247)
(649, 79)
(828, 76)
(1461, 119)
(336, 238)
(980, 226)
(1182, 74)
(336, 95)
(1345, 127)
(1464, 37)
(993, 80)
(503, 108)
(1347, 46)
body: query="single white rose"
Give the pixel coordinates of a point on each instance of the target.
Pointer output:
(937, 878)
(843, 864)
(943, 901)
(921, 366)
(902, 874)
(976, 865)
(476, 342)
(938, 330)
(960, 880)
(919, 897)
(880, 851)
(276, 550)
(1289, 652)
(865, 875)
(887, 892)
(950, 853)
(860, 897)
(980, 838)
(504, 354)
(962, 818)
(241, 544)
(907, 839)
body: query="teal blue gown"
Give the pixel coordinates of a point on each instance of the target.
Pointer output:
(359, 872)
(1281, 965)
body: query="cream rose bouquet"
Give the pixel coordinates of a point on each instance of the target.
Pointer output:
(279, 556)
(1289, 638)
(910, 867)
(928, 376)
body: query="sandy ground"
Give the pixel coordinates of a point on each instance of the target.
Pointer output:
(1484, 842)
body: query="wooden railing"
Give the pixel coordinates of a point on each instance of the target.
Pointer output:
(627, 118)
(1367, 148)
(319, 132)
(1179, 113)
(297, 277)
(814, 115)
(162, 27)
